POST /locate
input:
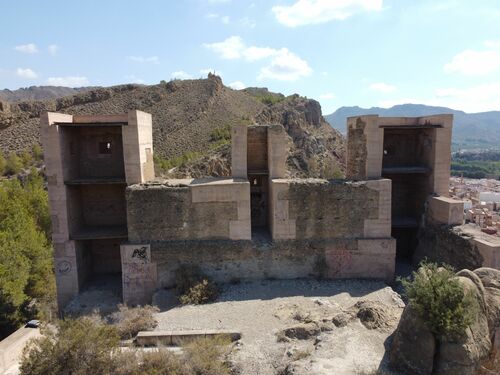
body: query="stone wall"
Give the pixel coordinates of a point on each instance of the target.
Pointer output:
(444, 244)
(226, 261)
(317, 208)
(189, 209)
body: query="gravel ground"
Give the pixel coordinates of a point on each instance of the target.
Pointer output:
(259, 310)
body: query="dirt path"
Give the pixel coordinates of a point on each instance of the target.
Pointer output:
(260, 310)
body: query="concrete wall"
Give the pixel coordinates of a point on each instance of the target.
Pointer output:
(226, 261)
(189, 209)
(316, 208)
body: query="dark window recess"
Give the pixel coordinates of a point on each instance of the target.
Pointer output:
(72, 150)
(105, 147)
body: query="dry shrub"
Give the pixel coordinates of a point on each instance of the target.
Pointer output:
(193, 287)
(151, 363)
(131, 320)
(88, 346)
(206, 356)
(77, 347)
(201, 357)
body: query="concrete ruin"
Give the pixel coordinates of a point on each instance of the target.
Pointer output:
(111, 216)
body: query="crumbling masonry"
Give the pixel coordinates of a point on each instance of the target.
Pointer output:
(111, 216)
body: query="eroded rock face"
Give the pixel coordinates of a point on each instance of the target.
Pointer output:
(412, 333)
(459, 356)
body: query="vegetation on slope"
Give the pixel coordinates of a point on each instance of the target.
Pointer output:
(476, 164)
(88, 346)
(26, 273)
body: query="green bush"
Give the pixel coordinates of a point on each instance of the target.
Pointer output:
(441, 300)
(193, 287)
(14, 164)
(37, 152)
(77, 347)
(3, 164)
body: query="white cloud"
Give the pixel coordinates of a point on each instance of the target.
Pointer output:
(27, 48)
(71, 81)
(53, 48)
(306, 12)
(382, 87)
(327, 96)
(247, 22)
(26, 73)
(237, 85)
(492, 43)
(181, 74)
(211, 15)
(471, 62)
(285, 66)
(229, 49)
(143, 59)
(254, 53)
(225, 20)
(485, 97)
(133, 79)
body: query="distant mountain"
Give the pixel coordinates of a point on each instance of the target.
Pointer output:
(39, 93)
(470, 130)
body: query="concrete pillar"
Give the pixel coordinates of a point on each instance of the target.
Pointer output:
(444, 210)
(365, 148)
(65, 253)
(277, 151)
(139, 274)
(239, 151)
(138, 147)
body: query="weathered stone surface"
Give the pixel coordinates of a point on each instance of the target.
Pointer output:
(443, 244)
(463, 356)
(356, 149)
(452, 356)
(325, 209)
(413, 345)
(373, 314)
(302, 331)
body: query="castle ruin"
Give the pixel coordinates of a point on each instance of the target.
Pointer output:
(111, 216)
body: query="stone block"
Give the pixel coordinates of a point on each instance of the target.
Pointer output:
(239, 151)
(444, 210)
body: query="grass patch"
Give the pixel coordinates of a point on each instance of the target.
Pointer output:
(164, 165)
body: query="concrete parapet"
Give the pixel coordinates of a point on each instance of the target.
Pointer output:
(444, 210)
(11, 348)
(180, 338)
(277, 151)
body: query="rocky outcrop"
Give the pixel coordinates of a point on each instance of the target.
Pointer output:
(465, 355)
(186, 113)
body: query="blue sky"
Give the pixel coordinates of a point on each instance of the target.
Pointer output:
(340, 52)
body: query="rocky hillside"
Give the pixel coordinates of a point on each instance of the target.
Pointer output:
(191, 117)
(39, 93)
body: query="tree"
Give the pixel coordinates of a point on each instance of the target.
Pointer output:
(25, 251)
(77, 347)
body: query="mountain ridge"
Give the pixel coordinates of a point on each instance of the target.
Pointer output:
(481, 129)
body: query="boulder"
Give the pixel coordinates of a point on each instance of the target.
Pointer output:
(410, 334)
(463, 356)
